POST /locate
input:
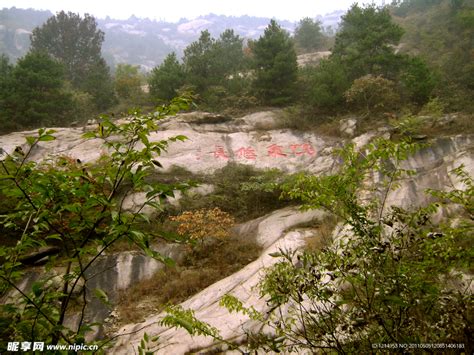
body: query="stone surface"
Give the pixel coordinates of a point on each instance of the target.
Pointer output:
(348, 127)
(273, 232)
(208, 148)
(312, 58)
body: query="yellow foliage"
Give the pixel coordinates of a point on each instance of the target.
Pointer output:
(204, 223)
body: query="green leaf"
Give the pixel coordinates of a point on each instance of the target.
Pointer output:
(178, 138)
(54, 236)
(46, 138)
(101, 295)
(37, 289)
(89, 135)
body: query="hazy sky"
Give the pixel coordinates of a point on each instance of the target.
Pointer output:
(173, 10)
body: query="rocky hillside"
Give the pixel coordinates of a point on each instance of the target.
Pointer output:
(256, 140)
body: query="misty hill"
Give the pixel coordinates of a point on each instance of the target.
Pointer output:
(140, 41)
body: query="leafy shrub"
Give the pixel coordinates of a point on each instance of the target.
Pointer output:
(240, 190)
(327, 84)
(204, 223)
(391, 276)
(383, 279)
(434, 108)
(372, 94)
(78, 208)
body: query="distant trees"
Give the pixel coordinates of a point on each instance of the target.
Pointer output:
(212, 68)
(309, 36)
(365, 49)
(274, 62)
(366, 42)
(198, 61)
(417, 79)
(166, 78)
(209, 62)
(225, 74)
(326, 84)
(441, 31)
(127, 81)
(33, 93)
(76, 43)
(5, 77)
(228, 54)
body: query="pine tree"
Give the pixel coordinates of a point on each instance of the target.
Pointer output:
(36, 95)
(76, 42)
(308, 35)
(366, 41)
(167, 78)
(275, 65)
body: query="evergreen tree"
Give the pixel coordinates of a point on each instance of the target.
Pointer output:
(36, 95)
(212, 66)
(417, 80)
(6, 70)
(326, 85)
(76, 43)
(99, 84)
(275, 65)
(308, 35)
(198, 57)
(127, 81)
(228, 54)
(366, 40)
(167, 78)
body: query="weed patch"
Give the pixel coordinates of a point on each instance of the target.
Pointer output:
(201, 267)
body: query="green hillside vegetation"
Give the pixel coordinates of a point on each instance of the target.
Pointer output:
(441, 32)
(406, 66)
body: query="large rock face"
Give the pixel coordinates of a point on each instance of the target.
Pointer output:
(274, 232)
(250, 140)
(213, 142)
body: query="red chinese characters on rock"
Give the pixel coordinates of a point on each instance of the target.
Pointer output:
(246, 153)
(273, 151)
(301, 149)
(219, 152)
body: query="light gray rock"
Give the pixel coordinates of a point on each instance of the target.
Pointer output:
(206, 150)
(272, 233)
(311, 58)
(348, 127)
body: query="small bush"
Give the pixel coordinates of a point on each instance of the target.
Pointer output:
(204, 223)
(199, 268)
(434, 107)
(372, 94)
(240, 190)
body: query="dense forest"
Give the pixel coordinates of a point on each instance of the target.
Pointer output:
(409, 64)
(405, 55)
